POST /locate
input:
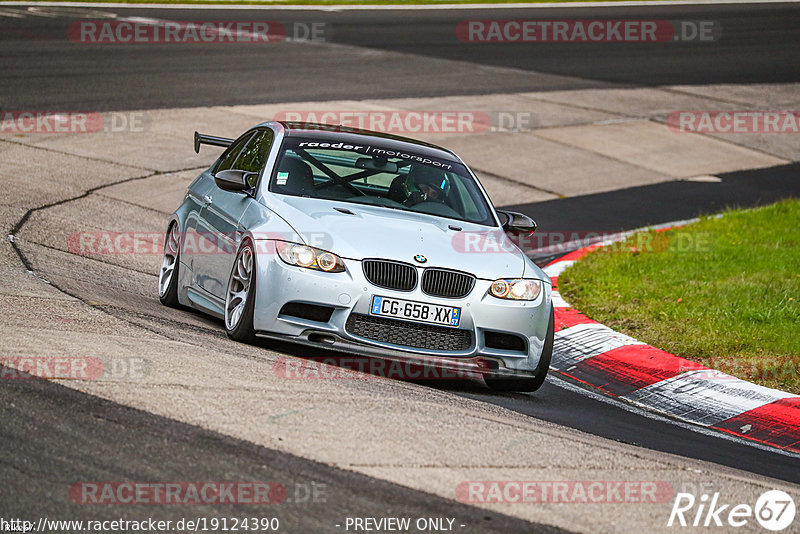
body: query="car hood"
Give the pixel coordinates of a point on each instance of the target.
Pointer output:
(379, 232)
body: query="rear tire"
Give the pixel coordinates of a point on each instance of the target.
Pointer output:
(535, 382)
(240, 296)
(170, 265)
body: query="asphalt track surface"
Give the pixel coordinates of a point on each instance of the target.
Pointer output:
(39, 444)
(665, 202)
(41, 71)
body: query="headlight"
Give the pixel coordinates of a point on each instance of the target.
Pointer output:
(309, 257)
(516, 289)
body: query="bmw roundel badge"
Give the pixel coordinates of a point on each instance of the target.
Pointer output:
(419, 258)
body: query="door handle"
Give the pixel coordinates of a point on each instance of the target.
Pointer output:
(208, 199)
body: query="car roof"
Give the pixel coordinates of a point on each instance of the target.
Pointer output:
(328, 132)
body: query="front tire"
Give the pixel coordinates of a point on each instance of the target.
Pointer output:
(240, 296)
(170, 264)
(535, 382)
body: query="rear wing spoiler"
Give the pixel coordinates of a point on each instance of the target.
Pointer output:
(203, 139)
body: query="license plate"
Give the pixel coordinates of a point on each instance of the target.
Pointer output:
(415, 311)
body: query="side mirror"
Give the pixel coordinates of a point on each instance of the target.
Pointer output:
(234, 180)
(516, 222)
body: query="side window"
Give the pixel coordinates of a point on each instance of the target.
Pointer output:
(253, 157)
(229, 157)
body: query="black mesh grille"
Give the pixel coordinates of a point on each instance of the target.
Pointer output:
(447, 284)
(390, 274)
(407, 334)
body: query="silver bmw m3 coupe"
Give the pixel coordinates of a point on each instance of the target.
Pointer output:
(362, 242)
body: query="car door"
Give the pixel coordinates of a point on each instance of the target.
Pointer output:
(224, 209)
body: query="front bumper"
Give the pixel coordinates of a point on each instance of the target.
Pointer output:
(349, 293)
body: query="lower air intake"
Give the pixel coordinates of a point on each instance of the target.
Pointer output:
(407, 334)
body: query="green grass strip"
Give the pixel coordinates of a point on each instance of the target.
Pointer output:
(724, 292)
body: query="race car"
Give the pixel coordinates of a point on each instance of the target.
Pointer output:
(360, 242)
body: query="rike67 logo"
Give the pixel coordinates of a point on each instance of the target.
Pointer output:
(774, 510)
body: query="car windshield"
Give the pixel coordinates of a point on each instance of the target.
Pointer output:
(384, 176)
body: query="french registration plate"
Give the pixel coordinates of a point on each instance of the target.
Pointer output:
(415, 311)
